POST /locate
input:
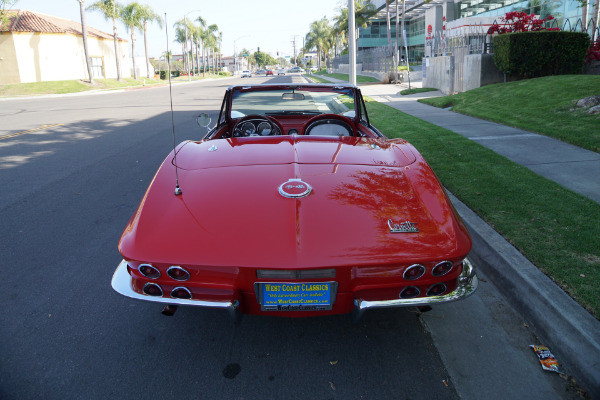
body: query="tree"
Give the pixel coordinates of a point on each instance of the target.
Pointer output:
(319, 37)
(181, 37)
(5, 5)
(388, 23)
(147, 14)
(183, 27)
(199, 39)
(364, 11)
(212, 31)
(111, 11)
(131, 17)
(261, 59)
(85, 43)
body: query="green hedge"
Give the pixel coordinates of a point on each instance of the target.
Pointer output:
(541, 53)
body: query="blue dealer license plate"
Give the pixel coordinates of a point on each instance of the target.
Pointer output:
(313, 296)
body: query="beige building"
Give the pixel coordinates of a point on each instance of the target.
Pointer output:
(36, 47)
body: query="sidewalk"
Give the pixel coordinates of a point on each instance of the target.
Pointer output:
(568, 329)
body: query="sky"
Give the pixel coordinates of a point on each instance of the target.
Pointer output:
(271, 25)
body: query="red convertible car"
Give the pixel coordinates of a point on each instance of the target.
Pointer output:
(295, 205)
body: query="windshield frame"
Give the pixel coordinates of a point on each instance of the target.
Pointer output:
(328, 95)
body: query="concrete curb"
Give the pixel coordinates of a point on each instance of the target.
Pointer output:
(571, 333)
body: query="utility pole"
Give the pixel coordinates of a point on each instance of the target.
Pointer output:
(294, 44)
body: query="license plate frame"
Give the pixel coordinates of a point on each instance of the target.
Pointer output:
(296, 296)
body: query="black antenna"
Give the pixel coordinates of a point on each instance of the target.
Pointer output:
(177, 188)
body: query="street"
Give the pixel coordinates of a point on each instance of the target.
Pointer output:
(73, 170)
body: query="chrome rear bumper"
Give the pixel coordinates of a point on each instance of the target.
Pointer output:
(467, 284)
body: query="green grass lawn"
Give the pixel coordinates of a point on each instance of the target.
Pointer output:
(74, 86)
(317, 79)
(556, 229)
(416, 90)
(539, 105)
(346, 77)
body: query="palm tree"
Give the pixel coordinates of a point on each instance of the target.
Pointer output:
(220, 39)
(198, 37)
(318, 37)
(363, 12)
(147, 14)
(85, 43)
(111, 10)
(182, 34)
(212, 40)
(131, 17)
(180, 37)
(388, 23)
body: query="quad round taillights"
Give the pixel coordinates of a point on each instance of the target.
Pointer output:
(174, 272)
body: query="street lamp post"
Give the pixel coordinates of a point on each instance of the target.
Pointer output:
(351, 40)
(235, 69)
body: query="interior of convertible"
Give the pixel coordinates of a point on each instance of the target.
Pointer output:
(251, 111)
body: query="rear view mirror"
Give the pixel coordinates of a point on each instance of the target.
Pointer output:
(203, 120)
(292, 96)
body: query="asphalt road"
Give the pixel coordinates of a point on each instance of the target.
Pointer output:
(72, 171)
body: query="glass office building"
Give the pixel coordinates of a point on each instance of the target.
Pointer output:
(419, 19)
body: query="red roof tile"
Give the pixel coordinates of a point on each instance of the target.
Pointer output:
(28, 21)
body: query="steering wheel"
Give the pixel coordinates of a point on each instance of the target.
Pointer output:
(256, 125)
(330, 125)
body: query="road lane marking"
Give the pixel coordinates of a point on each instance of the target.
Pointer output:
(29, 131)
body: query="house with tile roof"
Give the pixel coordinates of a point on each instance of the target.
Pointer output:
(36, 47)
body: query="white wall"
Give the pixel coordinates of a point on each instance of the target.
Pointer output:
(59, 56)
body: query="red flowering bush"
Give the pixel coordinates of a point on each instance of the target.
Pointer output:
(593, 53)
(520, 21)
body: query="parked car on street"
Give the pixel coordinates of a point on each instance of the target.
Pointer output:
(295, 205)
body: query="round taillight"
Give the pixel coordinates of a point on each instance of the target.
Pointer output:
(149, 271)
(442, 268)
(410, 292)
(436, 289)
(152, 289)
(178, 273)
(181, 293)
(414, 272)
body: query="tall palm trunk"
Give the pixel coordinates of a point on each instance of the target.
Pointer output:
(389, 24)
(146, 52)
(117, 56)
(85, 43)
(198, 50)
(133, 51)
(595, 20)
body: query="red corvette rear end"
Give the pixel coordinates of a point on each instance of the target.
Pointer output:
(296, 226)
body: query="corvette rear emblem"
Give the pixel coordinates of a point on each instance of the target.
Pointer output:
(294, 188)
(402, 227)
